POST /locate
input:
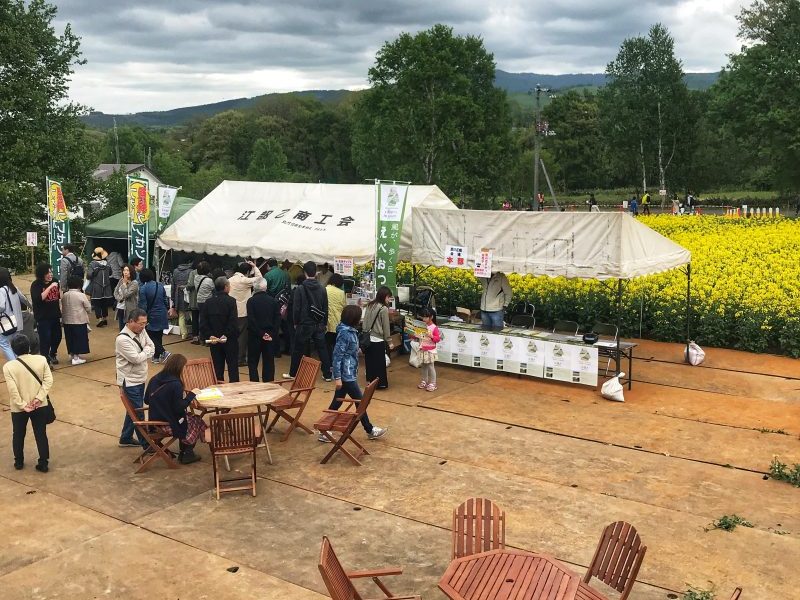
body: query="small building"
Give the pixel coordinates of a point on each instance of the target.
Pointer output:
(106, 170)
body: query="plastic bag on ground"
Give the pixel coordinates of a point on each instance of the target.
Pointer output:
(415, 358)
(612, 389)
(694, 355)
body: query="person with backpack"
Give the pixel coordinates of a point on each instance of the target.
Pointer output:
(70, 265)
(202, 286)
(100, 290)
(180, 281)
(153, 299)
(132, 349)
(310, 318)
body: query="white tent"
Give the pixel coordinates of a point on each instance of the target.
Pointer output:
(584, 245)
(300, 221)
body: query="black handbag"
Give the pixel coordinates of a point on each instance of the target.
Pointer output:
(317, 314)
(364, 340)
(50, 410)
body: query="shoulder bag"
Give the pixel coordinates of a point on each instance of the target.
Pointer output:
(317, 314)
(8, 322)
(364, 340)
(50, 410)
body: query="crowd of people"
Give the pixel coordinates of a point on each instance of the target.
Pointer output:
(251, 318)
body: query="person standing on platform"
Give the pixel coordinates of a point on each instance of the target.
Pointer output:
(495, 299)
(263, 323)
(310, 316)
(241, 284)
(46, 301)
(219, 327)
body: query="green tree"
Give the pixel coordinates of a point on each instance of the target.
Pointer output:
(134, 143)
(433, 115)
(577, 145)
(647, 118)
(172, 168)
(40, 131)
(206, 179)
(268, 162)
(757, 99)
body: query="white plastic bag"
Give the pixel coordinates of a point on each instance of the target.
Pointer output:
(696, 355)
(415, 359)
(612, 389)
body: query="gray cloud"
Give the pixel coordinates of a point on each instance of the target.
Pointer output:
(153, 55)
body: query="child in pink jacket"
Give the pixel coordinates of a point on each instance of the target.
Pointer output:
(427, 347)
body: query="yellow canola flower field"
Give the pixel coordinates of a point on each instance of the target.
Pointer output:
(745, 287)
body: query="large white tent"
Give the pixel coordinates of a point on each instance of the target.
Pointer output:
(300, 221)
(586, 245)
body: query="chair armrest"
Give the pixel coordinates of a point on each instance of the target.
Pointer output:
(152, 423)
(282, 381)
(333, 412)
(297, 390)
(375, 572)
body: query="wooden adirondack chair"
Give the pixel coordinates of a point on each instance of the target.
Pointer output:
(199, 373)
(229, 435)
(478, 525)
(338, 581)
(618, 557)
(299, 393)
(156, 446)
(345, 423)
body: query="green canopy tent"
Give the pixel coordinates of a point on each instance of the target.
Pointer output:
(112, 232)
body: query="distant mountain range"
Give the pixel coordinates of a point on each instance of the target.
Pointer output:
(516, 84)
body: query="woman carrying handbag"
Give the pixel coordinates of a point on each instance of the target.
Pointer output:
(29, 381)
(376, 317)
(11, 303)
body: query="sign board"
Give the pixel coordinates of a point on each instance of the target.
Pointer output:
(343, 266)
(455, 256)
(483, 263)
(391, 207)
(138, 219)
(166, 198)
(32, 238)
(58, 224)
(662, 192)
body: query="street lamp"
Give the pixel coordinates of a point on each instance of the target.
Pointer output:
(541, 128)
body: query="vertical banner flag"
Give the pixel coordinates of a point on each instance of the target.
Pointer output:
(57, 223)
(166, 198)
(391, 207)
(138, 219)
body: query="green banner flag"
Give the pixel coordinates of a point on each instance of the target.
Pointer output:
(58, 228)
(391, 208)
(138, 220)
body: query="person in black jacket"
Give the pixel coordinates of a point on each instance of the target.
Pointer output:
(263, 321)
(168, 402)
(310, 318)
(219, 327)
(46, 300)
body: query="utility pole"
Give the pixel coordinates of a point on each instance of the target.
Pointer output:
(116, 139)
(537, 140)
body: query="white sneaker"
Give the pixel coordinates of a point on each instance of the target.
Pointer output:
(321, 438)
(377, 432)
(287, 376)
(77, 360)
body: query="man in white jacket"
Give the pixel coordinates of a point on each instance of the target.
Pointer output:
(133, 349)
(496, 296)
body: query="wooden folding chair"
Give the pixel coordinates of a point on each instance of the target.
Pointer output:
(618, 557)
(198, 374)
(229, 435)
(299, 393)
(737, 593)
(338, 581)
(345, 423)
(156, 446)
(479, 525)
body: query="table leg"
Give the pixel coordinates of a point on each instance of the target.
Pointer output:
(262, 417)
(630, 369)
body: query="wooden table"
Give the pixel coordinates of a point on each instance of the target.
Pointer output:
(249, 394)
(513, 574)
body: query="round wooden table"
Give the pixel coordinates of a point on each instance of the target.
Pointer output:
(513, 574)
(248, 394)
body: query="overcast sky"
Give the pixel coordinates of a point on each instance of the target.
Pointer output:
(162, 54)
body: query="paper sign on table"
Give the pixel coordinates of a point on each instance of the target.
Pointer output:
(483, 263)
(455, 256)
(211, 393)
(343, 266)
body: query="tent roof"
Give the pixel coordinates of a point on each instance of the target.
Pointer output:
(586, 245)
(304, 221)
(116, 226)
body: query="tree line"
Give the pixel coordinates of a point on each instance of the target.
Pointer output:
(431, 115)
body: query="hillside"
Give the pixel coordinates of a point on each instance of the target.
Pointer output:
(516, 84)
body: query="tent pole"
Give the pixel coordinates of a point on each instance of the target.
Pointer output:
(619, 322)
(688, 307)
(414, 289)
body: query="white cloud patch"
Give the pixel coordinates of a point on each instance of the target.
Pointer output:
(155, 55)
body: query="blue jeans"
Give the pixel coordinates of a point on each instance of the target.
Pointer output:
(5, 346)
(492, 319)
(135, 394)
(350, 388)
